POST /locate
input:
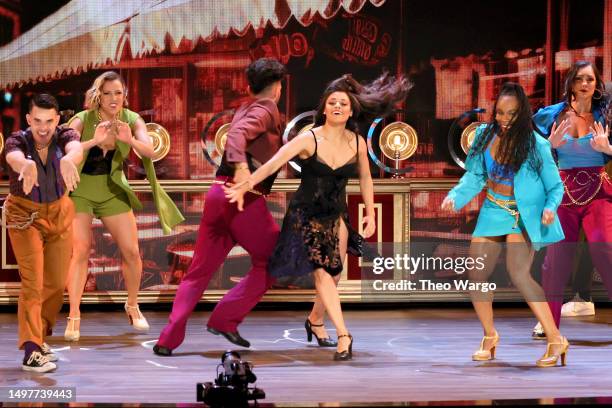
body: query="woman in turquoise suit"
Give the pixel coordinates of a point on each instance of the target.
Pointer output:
(523, 192)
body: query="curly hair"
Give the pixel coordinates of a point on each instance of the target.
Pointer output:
(377, 98)
(92, 96)
(518, 144)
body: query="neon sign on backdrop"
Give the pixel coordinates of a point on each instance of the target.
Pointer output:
(283, 47)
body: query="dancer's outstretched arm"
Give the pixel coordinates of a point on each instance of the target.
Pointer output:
(296, 146)
(472, 182)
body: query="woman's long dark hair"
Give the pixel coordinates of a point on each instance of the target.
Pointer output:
(518, 142)
(372, 100)
(598, 101)
(608, 104)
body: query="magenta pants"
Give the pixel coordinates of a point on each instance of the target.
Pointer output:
(221, 228)
(595, 217)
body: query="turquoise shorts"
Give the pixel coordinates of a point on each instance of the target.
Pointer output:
(494, 220)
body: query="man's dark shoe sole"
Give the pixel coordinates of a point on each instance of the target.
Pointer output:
(162, 351)
(232, 337)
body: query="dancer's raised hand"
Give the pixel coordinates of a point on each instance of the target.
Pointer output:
(101, 133)
(448, 204)
(600, 141)
(558, 132)
(123, 131)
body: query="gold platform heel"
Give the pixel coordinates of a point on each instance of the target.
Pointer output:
(550, 359)
(71, 334)
(484, 355)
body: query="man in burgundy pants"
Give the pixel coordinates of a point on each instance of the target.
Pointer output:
(253, 138)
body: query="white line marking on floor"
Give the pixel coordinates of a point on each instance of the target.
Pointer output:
(148, 344)
(159, 365)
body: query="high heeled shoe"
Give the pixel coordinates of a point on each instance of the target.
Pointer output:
(324, 341)
(489, 354)
(346, 354)
(550, 359)
(138, 322)
(72, 334)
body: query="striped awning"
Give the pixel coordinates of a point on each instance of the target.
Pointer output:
(85, 34)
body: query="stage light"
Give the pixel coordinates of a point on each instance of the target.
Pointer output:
(231, 387)
(462, 133)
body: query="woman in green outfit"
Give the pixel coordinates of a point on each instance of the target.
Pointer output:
(108, 132)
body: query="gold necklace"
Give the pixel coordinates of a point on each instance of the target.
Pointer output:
(99, 116)
(41, 148)
(579, 115)
(113, 122)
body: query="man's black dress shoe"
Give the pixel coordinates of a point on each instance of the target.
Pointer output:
(162, 351)
(232, 337)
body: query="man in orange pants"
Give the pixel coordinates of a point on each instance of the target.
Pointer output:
(38, 214)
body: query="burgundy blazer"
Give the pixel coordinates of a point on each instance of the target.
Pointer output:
(253, 138)
(255, 129)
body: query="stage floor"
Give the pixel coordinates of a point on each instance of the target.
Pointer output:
(399, 355)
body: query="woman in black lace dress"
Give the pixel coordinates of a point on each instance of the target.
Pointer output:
(316, 234)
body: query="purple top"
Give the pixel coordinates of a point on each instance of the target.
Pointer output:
(51, 185)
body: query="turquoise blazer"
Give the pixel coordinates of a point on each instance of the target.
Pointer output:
(533, 191)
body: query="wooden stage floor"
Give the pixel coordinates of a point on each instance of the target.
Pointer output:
(399, 355)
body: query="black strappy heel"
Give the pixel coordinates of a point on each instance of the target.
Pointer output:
(346, 354)
(323, 342)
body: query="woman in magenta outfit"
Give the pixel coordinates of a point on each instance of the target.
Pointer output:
(581, 140)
